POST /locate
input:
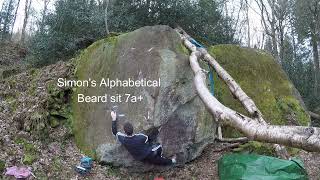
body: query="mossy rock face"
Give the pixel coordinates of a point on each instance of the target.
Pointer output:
(173, 109)
(263, 80)
(59, 105)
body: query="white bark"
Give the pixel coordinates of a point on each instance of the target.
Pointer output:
(248, 23)
(15, 17)
(306, 138)
(219, 132)
(268, 21)
(233, 140)
(25, 21)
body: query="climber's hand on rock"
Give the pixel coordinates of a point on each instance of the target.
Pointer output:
(113, 115)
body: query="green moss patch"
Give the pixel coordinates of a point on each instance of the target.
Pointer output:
(113, 171)
(263, 148)
(30, 152)
(256, 147)
(28, 159)
(291, 110)
(181, 48)
(2, 166)
(91, 58)
(56, 164)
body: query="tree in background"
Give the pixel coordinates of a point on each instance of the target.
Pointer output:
(292, 29)
(15, 16)
(25, 21)
(73, 25)
(43, 15)
(274, 17)
(106, 2)
(76, 24)
(6, 19)
(202, 18)
(307, 24)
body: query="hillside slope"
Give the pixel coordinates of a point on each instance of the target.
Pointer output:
(11, 59)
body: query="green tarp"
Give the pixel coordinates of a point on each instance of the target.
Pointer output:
(258, 167)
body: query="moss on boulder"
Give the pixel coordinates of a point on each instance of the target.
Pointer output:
(263, 80)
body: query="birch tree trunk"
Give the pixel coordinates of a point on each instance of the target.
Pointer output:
(269, 21)
(25, 21)
(44, 12)
(14, 18)
(275, 51)
(6, 21)
(248, 24)
(106, 16)
(315, 53)
(306, 138)
(1, 10)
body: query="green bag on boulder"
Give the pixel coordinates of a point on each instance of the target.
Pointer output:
(258, 167)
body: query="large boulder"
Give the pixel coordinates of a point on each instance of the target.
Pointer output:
(261, 77)
(173, 110)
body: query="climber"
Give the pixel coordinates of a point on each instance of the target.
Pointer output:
(139, 145)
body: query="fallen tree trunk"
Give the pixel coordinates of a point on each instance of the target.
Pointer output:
(235, 89)
(306, 138)
(233, 140)
(230, 146)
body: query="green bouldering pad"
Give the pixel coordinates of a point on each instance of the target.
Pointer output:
(257, 167)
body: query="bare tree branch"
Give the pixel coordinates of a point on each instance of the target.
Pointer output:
(314, 115)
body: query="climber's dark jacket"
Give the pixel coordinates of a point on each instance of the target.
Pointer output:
(137, 144)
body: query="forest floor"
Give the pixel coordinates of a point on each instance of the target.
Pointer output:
(57, 161)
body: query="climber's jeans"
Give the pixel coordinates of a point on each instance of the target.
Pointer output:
(155, 157)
